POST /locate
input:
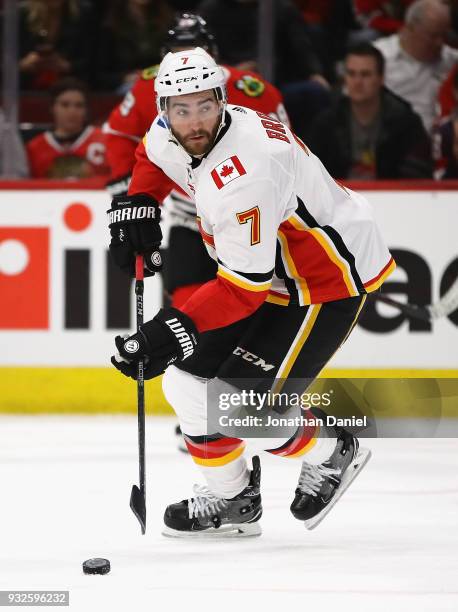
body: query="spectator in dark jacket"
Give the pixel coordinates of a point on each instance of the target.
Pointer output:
(298, 71)
(56, 38)
(370, 133)
(130, 39)
(445, 138)
(448, 131)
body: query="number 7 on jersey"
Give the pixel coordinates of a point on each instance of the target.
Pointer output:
(254, 216)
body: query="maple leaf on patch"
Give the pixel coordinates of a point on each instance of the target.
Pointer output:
(226, 171)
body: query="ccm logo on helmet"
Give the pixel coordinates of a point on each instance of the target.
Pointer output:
(132, 213)
(186, 80)
(182, 336)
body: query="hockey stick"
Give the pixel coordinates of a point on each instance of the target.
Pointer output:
(138, 495)
(442, 308)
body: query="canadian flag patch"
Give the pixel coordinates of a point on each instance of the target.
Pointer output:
(227, 171)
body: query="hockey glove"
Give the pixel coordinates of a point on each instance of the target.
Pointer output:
(134, 228)
(170, 336)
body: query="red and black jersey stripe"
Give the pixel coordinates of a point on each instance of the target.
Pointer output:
(335, 238)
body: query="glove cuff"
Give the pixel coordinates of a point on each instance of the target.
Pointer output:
(131, 209)
(181, 328)
(118, 186)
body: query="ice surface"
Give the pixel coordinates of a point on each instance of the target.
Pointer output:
(391, 543)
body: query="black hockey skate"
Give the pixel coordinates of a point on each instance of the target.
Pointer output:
(320, 486)
(207, 515)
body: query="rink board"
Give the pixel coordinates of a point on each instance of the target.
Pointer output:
(62, 304)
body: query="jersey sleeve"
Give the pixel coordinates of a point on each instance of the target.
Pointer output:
(126, 126)
(136, 112)
(244, 240)
(120, 155)
(148, 178)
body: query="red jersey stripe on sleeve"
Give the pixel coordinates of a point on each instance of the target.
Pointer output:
(219, 303)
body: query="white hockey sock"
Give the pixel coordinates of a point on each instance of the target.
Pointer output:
(323, 448)
(227, 480)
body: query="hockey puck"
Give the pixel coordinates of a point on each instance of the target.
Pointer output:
(96, 566)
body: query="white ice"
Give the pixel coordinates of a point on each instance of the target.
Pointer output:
(391, 543)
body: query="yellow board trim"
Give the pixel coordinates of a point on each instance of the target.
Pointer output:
(388, 373)
(217, 461)
(62, 390)
(244, 285)
(102, 390)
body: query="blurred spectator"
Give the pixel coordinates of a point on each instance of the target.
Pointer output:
(417, 59)
(380, 17)
(327, 23)
(448, 162)
(370, 133)
(446, 137)
(448, 93)
(11, 145)
(298, 71)
(55, 39)
(235, 26)
(130, 39)
(73, 149)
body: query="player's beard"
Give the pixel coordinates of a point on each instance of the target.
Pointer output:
(200, 147)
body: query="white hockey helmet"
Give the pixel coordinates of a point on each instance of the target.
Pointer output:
(187, 72)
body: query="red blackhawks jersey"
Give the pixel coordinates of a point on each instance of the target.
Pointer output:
(82, 158)
(280, 228)
(130, 121)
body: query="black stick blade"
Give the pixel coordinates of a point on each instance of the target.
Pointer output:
(138, 506)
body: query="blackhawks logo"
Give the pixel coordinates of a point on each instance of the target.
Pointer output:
(251, 86)
(150, 73)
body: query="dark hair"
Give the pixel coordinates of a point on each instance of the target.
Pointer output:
(367, 50)
(68, 84)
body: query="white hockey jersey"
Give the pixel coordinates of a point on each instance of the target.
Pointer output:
(272, 216)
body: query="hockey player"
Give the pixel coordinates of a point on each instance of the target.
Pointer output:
(296, 254)
(130, 121)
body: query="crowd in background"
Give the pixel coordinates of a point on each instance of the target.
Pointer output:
(371, 85)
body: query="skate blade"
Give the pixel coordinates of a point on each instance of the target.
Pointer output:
(245, 530)
(363, 456)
